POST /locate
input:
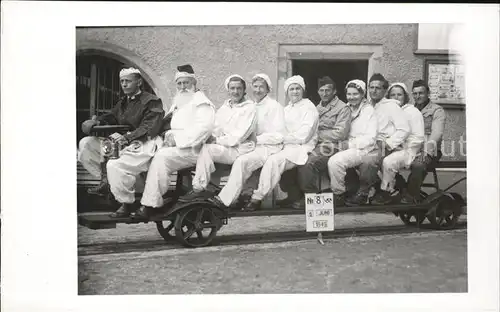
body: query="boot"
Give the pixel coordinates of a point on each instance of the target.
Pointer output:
(123, 212)
(103, 188)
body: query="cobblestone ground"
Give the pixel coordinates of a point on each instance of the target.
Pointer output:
(419, 262)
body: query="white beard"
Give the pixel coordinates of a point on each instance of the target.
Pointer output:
(183, 98)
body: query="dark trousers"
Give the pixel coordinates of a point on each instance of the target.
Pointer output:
(419, 168)
(368, 171)
(306, 178)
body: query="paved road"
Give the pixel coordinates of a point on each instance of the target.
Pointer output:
(418, 262)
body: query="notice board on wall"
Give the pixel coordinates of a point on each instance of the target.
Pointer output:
(446, 81)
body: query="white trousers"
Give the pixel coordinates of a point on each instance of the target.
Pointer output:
(242, 169)
(205, 165)
(271, 172)
(339, 163)
(166, 161)
(391, 164)
(89, 154)
(123, 173)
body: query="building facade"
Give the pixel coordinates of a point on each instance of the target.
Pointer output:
(343, 52)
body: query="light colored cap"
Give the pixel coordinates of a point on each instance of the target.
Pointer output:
(266, 79)
(295, 79)
(359, 83)
(229, 78)
(129, 71)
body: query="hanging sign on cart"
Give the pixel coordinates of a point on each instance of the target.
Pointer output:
(319, 212)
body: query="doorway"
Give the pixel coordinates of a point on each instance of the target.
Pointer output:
(341, 71)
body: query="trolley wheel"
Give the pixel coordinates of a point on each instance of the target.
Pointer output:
(196, 226)
(445, 215)
(412, 218)
(165, 229)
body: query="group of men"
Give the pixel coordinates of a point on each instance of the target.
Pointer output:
(291, 144)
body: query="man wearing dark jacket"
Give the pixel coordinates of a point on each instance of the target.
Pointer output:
(143, 113)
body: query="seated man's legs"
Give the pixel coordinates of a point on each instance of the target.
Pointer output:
(339, 164)
(92, 159)
(309, 174)
(270, 175)
(242, 169)
(166, 161)
(90, 156)
(419, 168)
(122, 172)
(391, 165)
(205, 166)
(368, 167)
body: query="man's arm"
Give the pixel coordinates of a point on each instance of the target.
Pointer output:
(275, 125)
(202, 125)
(153, 115)
(245, 128)
(110, 118)
(400, 123)
(340, 130)
(437, 130)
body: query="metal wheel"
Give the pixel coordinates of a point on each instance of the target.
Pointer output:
(446, 214)
(196, 226)
(165, 228)
(412, 218)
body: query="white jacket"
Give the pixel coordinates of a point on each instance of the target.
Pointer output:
(235, 123)
(393, 126)
(191, 124)
(414, 141)
(364, 127)
(270, 124)
(301, 123)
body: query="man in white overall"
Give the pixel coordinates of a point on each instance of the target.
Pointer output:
(193, 118)
(233, 136)
(269, 134)
(143, 112)
(301, 124)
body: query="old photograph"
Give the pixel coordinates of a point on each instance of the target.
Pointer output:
(325, 158)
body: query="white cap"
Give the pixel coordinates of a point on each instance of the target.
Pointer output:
(266, 79)
(295, 79)
(129, 71)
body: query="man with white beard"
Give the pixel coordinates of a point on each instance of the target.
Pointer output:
(193, 117)
(232, 138)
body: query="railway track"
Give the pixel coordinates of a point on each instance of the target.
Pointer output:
(257, 238)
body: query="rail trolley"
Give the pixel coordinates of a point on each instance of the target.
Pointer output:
(195, 224)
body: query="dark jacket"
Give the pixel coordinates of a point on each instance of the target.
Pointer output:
(143, 113)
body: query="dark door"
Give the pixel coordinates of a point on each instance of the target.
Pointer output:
(341, 71)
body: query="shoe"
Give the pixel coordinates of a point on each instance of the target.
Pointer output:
(408, 199)
(357, 200)
(299, 204)
(145, 212)
(252, 205)
(122, 212)
(339, 200)
(103, 188)
(194, 195)
(383, 198)
(218, 202)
